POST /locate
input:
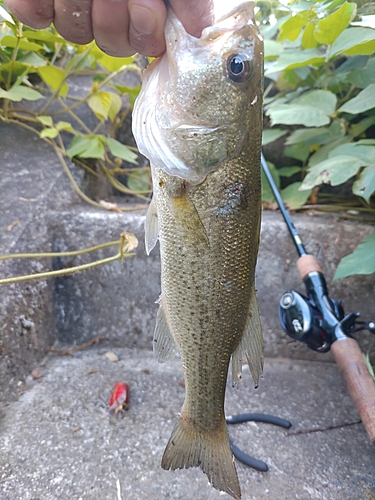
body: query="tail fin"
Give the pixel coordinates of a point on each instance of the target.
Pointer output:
(189, 447)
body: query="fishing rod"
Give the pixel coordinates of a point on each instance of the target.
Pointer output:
(320, 322)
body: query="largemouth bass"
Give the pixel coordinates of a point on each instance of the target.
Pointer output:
(198, 119)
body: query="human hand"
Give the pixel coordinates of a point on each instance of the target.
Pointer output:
(120, 27)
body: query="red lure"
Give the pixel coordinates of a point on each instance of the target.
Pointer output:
(119, 398)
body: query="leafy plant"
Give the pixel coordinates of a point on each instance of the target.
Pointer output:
(320, 72)
(38, 70)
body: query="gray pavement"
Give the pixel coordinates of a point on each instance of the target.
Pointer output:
(57, 442)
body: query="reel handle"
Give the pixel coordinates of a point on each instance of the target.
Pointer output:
(306, 264)
(349, 359)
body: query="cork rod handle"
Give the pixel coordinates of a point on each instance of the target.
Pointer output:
(306, 264)
(361, 387)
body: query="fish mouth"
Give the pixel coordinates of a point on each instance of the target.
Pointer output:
(237, 17)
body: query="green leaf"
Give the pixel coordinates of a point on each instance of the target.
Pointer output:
(43, 35)
(363, 77)
(328, 29)
(267, 194)
(354, 62)
(354, 41)
(111, 63)
(105, 105)
(115, 107)
(293, 197)
(115, 63)
(20, 92)
(318, 135)
(365, 185)
(80, 61)
(300, 151)
(288, 79)
(61, 125)
(272, 134)
(11, 42)
(358, 128)
(321, 99)
(54, 77)
(308, 39)
(139, 181)
(120, 150)
(100, 104)
(272, 49)
(46, 120)
(322, 153)
(33, 60)
(49, 132)
(288, 171)
(362, 102)
(291, 29)
(361, 261)
(365, 153)
(86, 147)
(132, 92)
(297, 114)
(295, 58)
(334, 171)
(17, 68)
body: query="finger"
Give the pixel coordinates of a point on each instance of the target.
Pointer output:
(195, 15)
(73, 20)
(110, 21)
(34, 13)
(146, 31)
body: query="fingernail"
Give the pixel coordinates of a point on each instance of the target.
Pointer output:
(143, 20)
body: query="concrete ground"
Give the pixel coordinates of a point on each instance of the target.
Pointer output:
(58, 442)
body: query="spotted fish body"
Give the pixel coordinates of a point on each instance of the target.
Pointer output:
(198, 119)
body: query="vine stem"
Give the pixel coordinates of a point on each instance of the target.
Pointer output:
(71, 178)
(61, 272)
(73, 115)
(59, 254)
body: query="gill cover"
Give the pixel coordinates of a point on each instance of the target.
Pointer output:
(190, 114)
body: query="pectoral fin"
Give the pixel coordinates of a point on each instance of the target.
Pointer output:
(163, 344)
(151, 227)
(251, 346)
(188, 219)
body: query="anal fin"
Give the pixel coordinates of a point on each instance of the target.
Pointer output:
(164, 346)
(251, 346)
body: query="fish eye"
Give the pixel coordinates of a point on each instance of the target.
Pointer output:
(239, 67)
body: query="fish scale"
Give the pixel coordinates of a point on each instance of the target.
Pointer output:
(202, 132)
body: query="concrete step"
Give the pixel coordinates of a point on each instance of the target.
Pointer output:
(58, 441)
(39, 211)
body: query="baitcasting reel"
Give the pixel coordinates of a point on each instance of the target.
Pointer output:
(317, 320)
(302, 321)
